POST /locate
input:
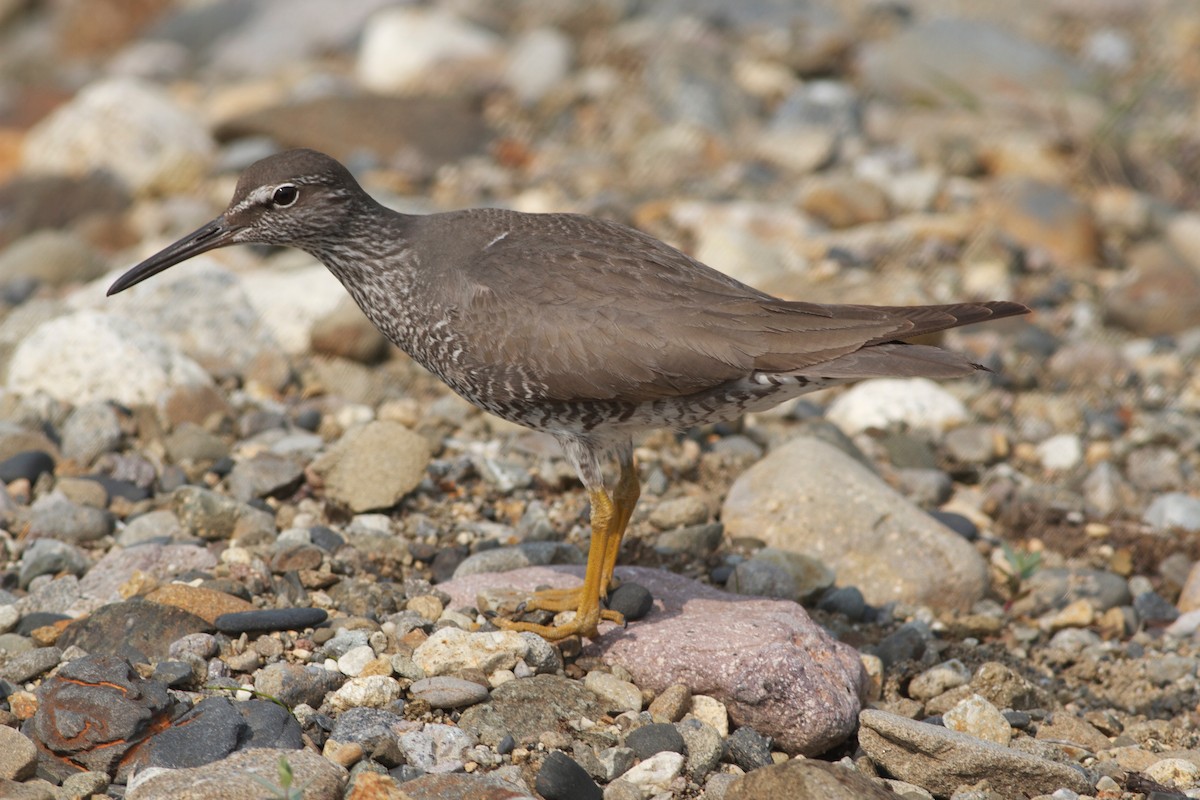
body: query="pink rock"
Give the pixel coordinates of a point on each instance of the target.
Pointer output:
(774, 668)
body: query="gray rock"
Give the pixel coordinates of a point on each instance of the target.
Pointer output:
(527, 707)
(696, 539)
(55, 517)
(205, 311)
(373, 466)
(293, 684)
(436, 747)
(807, 778)
(50, 557)
(983, 59)
(234, 777)
(445, 691)
(190, 443)
(762, 579)
(89, 356)
(127, 128)
(92, 429)
(1054, 588)
(30, 664)
(526, 554)
(538, 61)
(941, 760)
(1155, 469)
(773, 667)
(208, 515)
(807, 496)
(52, 257)
(162, 562)
(264, 475)
(704, 747)
(160, 525)
(18, 755)
(1173, 510)
(681, 512)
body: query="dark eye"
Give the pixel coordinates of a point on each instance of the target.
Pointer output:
(285, 195)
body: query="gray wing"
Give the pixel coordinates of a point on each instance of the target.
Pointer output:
(597, 311)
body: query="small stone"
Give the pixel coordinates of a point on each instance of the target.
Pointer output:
(614, 762)
(452, 650)
(275, 619)
(92, 429)
(654, 738)
(51, 557)
(680, 512)
(1173, 510)
(373, 466)
(561, 778)
(748, 749)
(656, 773)
(1060, 453)
(28, 465)
(696, 539)
(372, 691)
(711, 711)
(18, 755)
(703, 746)
(25, 666)
(672, 703)
(354, 660)
(1176, 773)
(979, 718)
(845, 600)
(615, 695)
(939, 679)
(444, 691)
(234, 777)
(427, 606)
(632, 600)
(762, 579)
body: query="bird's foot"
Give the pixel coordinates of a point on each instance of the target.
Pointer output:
(584, 624)
(556, 600)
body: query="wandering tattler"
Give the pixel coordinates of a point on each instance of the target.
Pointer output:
(585, 329)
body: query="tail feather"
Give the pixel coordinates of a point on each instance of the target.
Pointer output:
(897, 360)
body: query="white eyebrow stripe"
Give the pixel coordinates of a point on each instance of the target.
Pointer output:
(258, 197)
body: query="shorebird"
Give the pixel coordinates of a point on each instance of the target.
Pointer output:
(585, 329)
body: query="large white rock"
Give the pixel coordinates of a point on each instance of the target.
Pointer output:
(810, 497)
(89, 356)
(402, 44)
(130, 128)
(918, 403)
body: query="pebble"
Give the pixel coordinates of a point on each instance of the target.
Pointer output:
(561, 778)
(444, 691)
(631, 600)
(526, 554)
(91, 429)
(370, 691)
(274, 619)
(672, 703)
(28, 465)
(695, 539)
(657, 737)
(748, 749)
(1173, 510)
(615, 695)
(451, 650)
(50, 557)
(435, 747)
(680, 512)
(979, 718)
(939, 679)
(906, 749)
(234, 777)
(18, 755)
(655, 774)
(373, 465)
(916, 403)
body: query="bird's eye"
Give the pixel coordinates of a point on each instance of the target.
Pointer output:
(284, 196)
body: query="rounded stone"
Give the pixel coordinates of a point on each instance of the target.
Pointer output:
(444, 691)
(657, 737)
(275, 619)
(632, 600)
(561, 778)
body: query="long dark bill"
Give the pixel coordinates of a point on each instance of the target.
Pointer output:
(217, 233)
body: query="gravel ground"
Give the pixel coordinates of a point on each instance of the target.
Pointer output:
(244, 540)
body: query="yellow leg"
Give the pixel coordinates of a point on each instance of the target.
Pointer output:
(587, 611)
(624, 500)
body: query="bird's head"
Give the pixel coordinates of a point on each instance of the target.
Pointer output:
(298, 198)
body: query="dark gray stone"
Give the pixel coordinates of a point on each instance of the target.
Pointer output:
(748, 749)
(272, 619)
(632, 600)
(657, 737)
(561, 778)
